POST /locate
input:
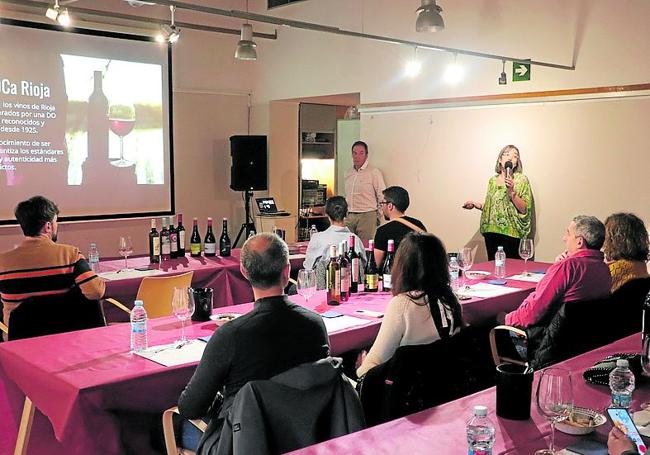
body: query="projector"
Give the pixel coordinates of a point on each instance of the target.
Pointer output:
(138, 3)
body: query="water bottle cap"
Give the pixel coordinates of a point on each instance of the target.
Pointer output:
(93, 245)
(500, 248)
(480, 411)
(622, 363)
(139, 303)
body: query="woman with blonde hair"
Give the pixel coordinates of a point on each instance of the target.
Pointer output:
(626, 248)
(508, 206)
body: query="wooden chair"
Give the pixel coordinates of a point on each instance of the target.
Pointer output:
(156, 292)
(502, 345)
(170, 437)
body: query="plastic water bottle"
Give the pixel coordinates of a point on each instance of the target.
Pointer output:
(453, 271)
(500, 263)
(480, 432)
(621, 383)
(312, 231)
(138, 327)
(93, 258)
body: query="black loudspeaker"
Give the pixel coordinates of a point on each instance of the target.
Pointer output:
(249, 161)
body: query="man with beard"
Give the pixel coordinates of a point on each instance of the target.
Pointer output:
(40, 266)
(393, 206)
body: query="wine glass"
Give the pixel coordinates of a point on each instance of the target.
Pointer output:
(125, 249)
(526, 251)
(183, 308)
(465, 261)
(306, 284)
(554, 400)
(121, 118)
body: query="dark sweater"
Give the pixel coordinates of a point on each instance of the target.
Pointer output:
(276, 336)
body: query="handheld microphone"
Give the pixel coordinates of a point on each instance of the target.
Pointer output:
(508, 168)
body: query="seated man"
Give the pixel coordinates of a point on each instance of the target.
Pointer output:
(393, 205)
(276, 336)
(336, 209)
(39, 266)
(579, 274)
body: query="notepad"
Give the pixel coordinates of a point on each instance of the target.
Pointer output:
(127, 274)
(532, 277)
(344, 322)
(485, 290)
(168, 355)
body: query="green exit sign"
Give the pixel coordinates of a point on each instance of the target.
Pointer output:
(520, 72)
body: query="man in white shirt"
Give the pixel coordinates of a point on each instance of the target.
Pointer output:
(363, 190)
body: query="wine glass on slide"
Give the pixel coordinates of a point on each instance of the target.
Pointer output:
(526, 251)
(121, 118)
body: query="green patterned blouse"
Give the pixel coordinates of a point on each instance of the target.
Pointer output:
(500, 215)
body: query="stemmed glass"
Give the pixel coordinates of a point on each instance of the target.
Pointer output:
(554, 400)
(526, 251)
(465, 261)
(306, 284)
(121, 118)
(125, 249)
(183, 308)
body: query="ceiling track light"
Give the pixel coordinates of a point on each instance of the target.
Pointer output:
(58, 14)
(429, 18)
(169, 33)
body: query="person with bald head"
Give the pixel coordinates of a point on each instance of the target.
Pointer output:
(275, 336)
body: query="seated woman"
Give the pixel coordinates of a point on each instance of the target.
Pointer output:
(423, 308)
(625, 248)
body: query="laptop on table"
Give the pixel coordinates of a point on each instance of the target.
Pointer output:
(267, 207)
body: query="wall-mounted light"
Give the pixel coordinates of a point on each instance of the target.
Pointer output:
(169, 33)
(58, 14)
(429, 18)
(454, 73)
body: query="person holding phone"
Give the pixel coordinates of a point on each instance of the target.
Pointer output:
(508, 206)
(619, 444)
(624, 438)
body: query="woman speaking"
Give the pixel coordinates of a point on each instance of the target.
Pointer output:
(508, 206)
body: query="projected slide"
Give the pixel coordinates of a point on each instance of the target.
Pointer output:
(84, 120)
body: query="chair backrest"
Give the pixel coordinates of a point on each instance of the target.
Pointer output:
(303, 406)
(578, 327)
(422, 376)
(628, 301)
(48, 315)
(156, 292)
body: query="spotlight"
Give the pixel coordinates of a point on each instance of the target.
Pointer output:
(58, 14)
(246, 46)
(169, 33)
(429, 18)
(454, 73)
(412, 68)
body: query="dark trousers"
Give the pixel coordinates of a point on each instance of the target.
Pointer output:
(494, 241)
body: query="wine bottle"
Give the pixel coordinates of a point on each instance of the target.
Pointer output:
(180, 230)
(195, 240)
(388, 264)
(344, 268)
(372, 274)
(333, 279)
(173, 239)
(165, 247)
(154, 244)
(97, 164)
(210, 241)
(355, 267)
(224, 240)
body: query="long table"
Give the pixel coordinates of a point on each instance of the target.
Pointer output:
(78, 380)
(441, 429)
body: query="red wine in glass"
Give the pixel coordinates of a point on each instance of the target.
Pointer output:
(121, 127)
(121, 119)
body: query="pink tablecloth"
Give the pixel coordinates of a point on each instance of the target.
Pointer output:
(441, 430)
(78, 379)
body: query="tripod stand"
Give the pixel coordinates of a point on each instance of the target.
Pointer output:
(248, 225)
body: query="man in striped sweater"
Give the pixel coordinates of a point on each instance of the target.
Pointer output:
(40, 266)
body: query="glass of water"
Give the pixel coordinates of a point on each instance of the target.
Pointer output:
(306, 284)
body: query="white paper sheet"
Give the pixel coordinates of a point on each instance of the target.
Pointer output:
(532, 277)
(168, 355)
(344, 322)
(485, 290)
(127, 274)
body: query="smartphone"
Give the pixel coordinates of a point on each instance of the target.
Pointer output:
(621, 418)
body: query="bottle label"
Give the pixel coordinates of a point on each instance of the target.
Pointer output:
(181, 239)
(195, 248)
(210, 248)
(387, 281)
(165, 246)
(139, 327)
(371, 282)
(453, 274)
(337, 283)
(173, 239)
(499, 262)
(345, 280)
(156, 246)
(355, 270)
(621, 400)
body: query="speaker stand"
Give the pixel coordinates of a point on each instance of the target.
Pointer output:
(248, 225)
